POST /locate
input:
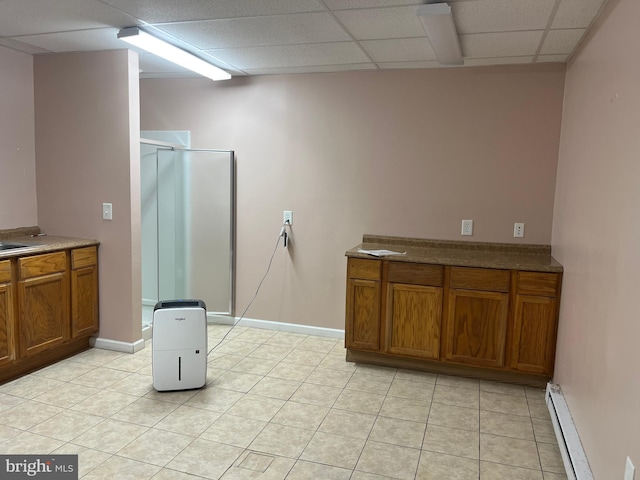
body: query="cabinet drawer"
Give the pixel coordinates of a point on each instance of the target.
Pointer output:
(480, 279)
(84, 257)
(416, 274)
(5, 271)
(45, 264)
(364, 269)
(535, 283)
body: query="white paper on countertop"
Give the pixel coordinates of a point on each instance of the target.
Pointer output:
(380, 253)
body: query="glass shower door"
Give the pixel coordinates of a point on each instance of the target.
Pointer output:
(187, 227)
(207, 227)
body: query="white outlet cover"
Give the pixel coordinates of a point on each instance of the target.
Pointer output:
(467, 227)
(518, 230)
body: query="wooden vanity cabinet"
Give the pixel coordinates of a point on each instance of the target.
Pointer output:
(476, 319)
(48, 308)
(43, 302)
(363, 304)
(414, 309)
(535, 321)
(7, 319)
(84, 291)
(490, 323)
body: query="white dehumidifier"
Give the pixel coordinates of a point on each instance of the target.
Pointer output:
(179, 345)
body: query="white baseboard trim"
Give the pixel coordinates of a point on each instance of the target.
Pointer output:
(147, 328)
(220, 318)
(280, 326)
(573, 455)
(148, 302)
(147, 332)
(116, 345)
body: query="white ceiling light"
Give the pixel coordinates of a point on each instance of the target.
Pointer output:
(441, 30)
(144, 40)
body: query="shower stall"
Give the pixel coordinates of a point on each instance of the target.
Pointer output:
(187, 211)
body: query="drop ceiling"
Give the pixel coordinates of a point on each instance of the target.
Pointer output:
(254, 37)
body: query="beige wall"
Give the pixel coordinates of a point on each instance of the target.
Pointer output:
(17, 145)
(596, 235)
(407, 153)
(87, 149)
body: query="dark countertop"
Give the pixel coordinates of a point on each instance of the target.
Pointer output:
(41, 244)
(536, 258)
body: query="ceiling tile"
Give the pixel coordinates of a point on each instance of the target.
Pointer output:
(379, 23)
(155, 11)
(28, 17)
(80, 41)
(472, 62)
(279, 36)
(269, 30)
(552, 58)
(22, 46)
(561, 41)
(349, 4)
(399, 49)
(505, 44)
(501, 15)
(576, 13)
(281, 56)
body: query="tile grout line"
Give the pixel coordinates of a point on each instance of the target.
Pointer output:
(328, 409)
(353, 470)
(535, 439)
(424, 434)
(296, 459)
(479, 432)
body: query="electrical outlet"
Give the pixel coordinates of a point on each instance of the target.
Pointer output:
(629, 470)
(287, 217)
(467, 227)
(518, 230)
(107, 211)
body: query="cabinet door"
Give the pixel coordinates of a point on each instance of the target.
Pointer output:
(476, 327)
(84, 302)
(413, 320)
(363, 314)
(534, 334)
(44, 312)
(6, 324)
(84, 291)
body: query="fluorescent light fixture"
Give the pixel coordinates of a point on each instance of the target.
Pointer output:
(441, 30)
(148, 42)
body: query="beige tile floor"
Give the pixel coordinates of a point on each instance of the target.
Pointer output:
(278, 406)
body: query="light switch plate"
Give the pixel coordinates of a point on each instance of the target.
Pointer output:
(107, 211)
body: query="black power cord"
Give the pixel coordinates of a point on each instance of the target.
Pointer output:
(273, 254)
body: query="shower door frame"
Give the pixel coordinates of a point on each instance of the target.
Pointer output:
(160, 145)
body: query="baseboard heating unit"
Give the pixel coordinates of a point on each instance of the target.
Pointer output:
(179, 345)
(573, 456)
